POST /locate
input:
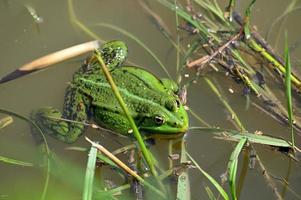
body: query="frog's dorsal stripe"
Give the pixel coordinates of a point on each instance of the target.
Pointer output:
(149, 79)
(127, 95)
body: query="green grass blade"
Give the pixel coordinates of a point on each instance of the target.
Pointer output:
(288, 87)
(210, 193)
(291, 7)
(89, 177)
(252, 138)
(229, 9)
(232, 166)
(177, 40)
(247, 20)
(203, 30)
(146, 154)
(212, 180)
(15, 162)
(183, 187)
(106, 160)
(213, 7)
(5, 121)
(225, 103)
(79, 24)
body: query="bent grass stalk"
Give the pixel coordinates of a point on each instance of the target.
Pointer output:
(225, 103)
(212, 180)
(280, 19)
(138, 41)
(147, 155)
(125, 167)
(79, 24)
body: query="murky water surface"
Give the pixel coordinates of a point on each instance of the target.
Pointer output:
(23, 40)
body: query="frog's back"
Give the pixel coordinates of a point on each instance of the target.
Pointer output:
(133, 83)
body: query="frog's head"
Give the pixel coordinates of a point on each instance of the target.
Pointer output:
(114, 53)
(166, 120)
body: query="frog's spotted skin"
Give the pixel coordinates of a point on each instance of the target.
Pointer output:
(152, 102)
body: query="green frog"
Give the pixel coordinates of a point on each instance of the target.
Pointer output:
(153, 103)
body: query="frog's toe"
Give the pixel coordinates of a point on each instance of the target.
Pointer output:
(50, 121)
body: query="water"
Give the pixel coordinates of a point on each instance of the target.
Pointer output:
(23, 40)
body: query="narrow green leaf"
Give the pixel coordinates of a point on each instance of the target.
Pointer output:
(229, 9)
(288, 87)
(89, 177)
(212, 180)
(213, 8)
(106, 160)
(252, 138)
(225, 103)
(6, 121)
(247, 20)
(15, 162)
(183, 188)
(210, 193)
(203, 30)
(232, 166)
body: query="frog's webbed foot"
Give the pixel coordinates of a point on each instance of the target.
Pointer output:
(51, 122)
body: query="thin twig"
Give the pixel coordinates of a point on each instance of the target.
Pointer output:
(206, 59)
(123, 166)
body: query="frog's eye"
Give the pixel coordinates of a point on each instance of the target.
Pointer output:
(159, 120)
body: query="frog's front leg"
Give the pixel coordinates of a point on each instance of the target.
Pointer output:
(52, 122)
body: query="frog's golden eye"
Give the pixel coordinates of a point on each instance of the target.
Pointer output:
(159, 120)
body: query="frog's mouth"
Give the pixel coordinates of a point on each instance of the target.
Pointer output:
(166, 129)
